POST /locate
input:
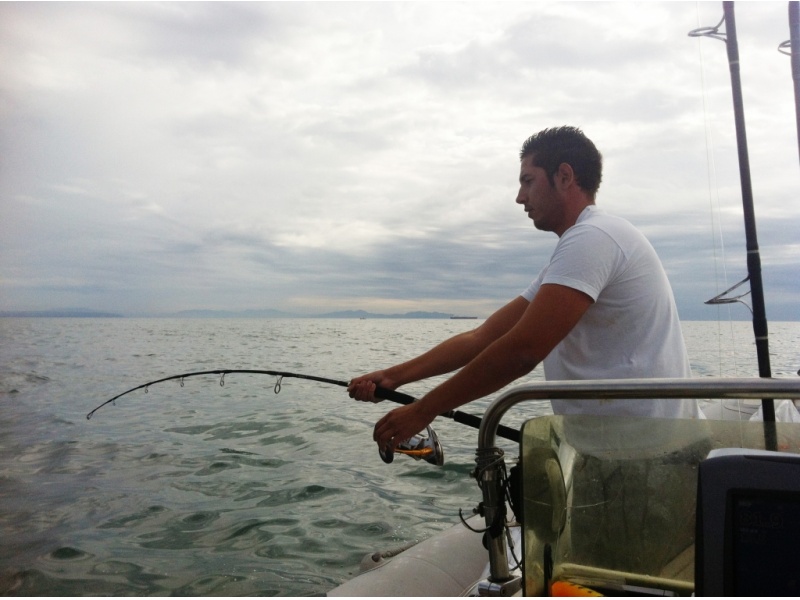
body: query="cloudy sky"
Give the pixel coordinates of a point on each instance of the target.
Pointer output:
(323, 156)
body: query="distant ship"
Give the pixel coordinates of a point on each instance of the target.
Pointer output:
(458, 317)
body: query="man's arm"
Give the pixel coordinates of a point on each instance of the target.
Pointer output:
(552, 314)
(448, 356)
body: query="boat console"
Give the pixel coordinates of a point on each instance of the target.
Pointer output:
(748, 524)
(614, 505)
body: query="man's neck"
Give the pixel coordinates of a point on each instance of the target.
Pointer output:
(574, 211)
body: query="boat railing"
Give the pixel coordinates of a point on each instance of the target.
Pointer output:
(491, 466)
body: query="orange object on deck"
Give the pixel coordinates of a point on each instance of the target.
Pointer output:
(567, 589)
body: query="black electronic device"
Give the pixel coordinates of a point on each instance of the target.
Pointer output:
(748, 524)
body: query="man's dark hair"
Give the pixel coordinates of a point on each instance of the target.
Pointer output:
(551, 147)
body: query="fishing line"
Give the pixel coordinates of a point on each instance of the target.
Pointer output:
(715, 207)
(382, 393)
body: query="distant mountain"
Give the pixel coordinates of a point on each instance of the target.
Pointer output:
(279, 314)
(266, 313)
(60, 313)
(361, 314)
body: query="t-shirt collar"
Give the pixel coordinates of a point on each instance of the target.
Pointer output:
(586, 212)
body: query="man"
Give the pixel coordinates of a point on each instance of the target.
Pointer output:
(601, 309)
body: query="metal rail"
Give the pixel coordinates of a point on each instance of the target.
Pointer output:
(606, 389)
(490, 460)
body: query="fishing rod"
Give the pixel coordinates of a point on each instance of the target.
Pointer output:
(417, 447)
(753, 254)
(792, 48)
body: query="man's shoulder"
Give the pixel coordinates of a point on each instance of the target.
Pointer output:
(606, 234)
(595, 214)
(609, 223)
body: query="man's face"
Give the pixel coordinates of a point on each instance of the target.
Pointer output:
(538, 196)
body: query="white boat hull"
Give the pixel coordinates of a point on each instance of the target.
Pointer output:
(449, 563)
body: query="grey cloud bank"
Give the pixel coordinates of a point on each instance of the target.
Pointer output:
(318, 157)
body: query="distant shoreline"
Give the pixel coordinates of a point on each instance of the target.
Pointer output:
(223, 314)
(86, 313)
(49, 314)
(58, 314)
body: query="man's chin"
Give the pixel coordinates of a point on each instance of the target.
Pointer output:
(541, 225)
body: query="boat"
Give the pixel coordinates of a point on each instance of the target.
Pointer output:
(536, 544)
(630, 506)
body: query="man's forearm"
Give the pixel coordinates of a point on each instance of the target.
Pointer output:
(494, 368)
(446, 357)
(460, 349)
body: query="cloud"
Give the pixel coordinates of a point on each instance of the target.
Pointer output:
(159, 157)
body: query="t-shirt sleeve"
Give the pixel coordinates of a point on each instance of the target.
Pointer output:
(585, 259)
(533, 288)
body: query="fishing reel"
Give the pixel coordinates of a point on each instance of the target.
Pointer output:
(417, 447)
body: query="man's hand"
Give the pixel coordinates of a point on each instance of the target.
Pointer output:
(400, 424)
(363, 388)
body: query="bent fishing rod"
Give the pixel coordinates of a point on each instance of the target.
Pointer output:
(413, 446)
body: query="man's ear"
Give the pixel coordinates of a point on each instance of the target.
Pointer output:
(564, 176)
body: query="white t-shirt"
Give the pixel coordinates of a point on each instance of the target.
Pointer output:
(630, 331)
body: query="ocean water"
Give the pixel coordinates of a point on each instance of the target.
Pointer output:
(231, 490)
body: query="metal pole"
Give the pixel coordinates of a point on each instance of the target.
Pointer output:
(489, 472)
